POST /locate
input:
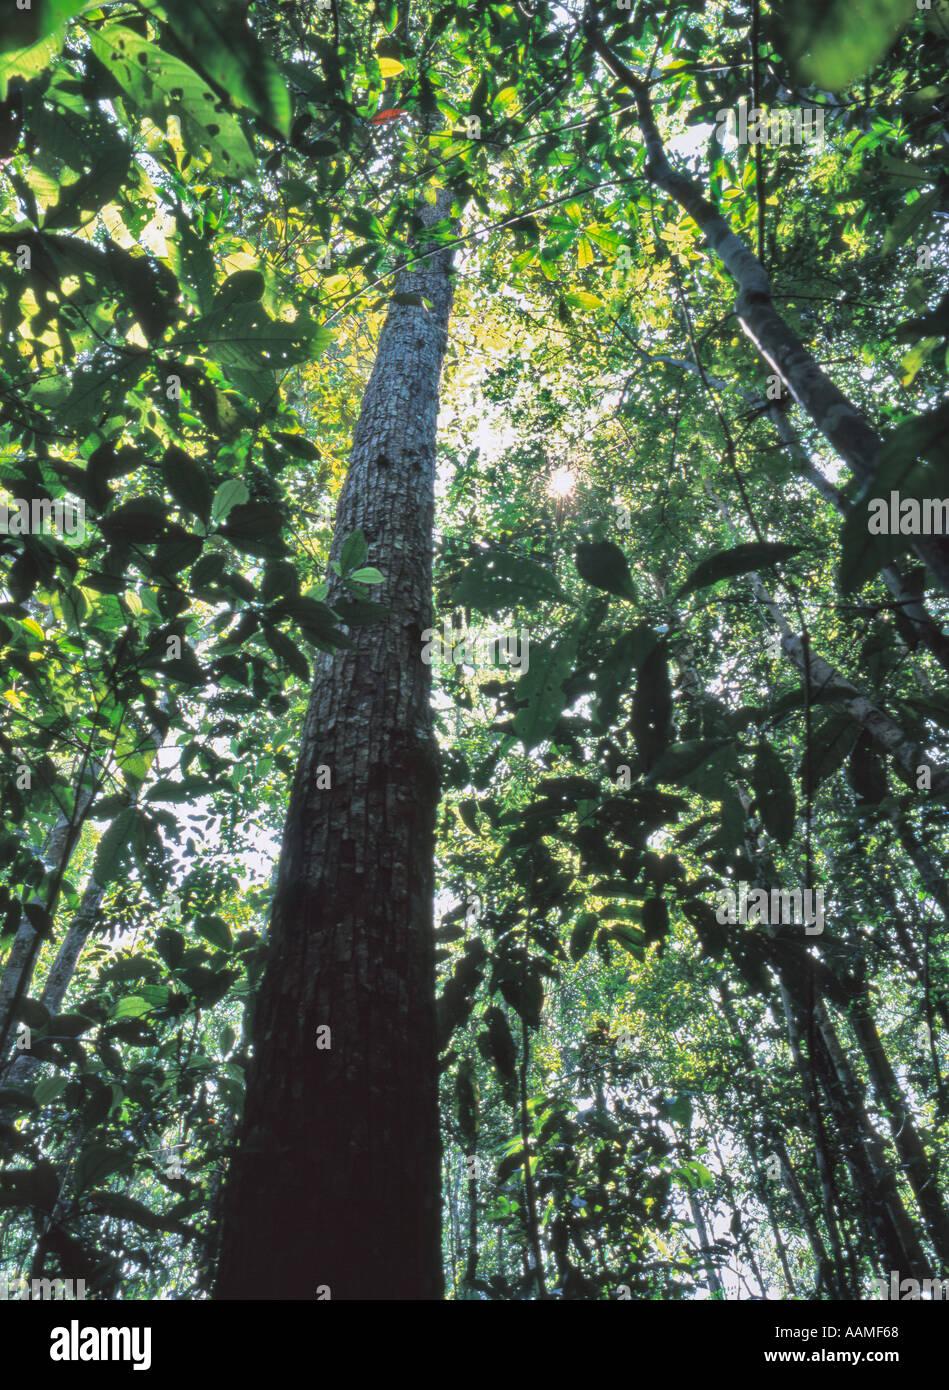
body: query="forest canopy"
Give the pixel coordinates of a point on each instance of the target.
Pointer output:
(474, 627)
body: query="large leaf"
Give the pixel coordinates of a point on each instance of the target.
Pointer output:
(652, 707)
(497, 581)
(775, 793)
(831, 742)
(228, 50)
(741, 559)
(542, 688)
(23, 27)
(581, 937)
(831, 44)
(97, 1162)
(243, 335)
(114, 847)
(162, 86)
(603, 564)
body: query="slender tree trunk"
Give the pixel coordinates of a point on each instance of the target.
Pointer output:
(874, 1182)
(530, 1192)
(21, 958)
(20, 1068)
(338, 1163)
(836, 1280)
(835, 416)
(906, 1138)
(821, 675)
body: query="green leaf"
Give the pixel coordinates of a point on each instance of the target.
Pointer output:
(243, 287)
(741, 559)
(187, 483)
(581, 937)
(631, 939)
(353, 553)
(497, 581)
(831, 742)
(832, 44)
(97, 1162)
(215, 930)
(162, 85)
(229, 495)
(775, 793)
(255, 527)
(652, 707)
(297, 444)
(49, 1089)
(114, 847)
(360, 612)
(132, 1006)
(230, 52)
(603, 564)
(243, 336)
(368, 575)
(681, 761)
(541, 687)
(287, 651)
(501, 1043)
(28, 26)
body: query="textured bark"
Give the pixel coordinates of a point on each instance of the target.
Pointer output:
(335, 1180)
(838, 419)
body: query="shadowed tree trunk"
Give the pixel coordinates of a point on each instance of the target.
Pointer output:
(338, 1159)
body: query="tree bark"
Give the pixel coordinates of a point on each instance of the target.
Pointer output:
(837, 418)
(338, 1161)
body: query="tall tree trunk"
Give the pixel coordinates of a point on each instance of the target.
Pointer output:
(338, 1161)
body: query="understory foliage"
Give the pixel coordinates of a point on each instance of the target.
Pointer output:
(202, 212)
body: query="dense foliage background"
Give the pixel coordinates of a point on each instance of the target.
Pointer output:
(203, 212)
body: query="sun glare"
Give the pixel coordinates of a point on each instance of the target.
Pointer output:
(562, 482)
